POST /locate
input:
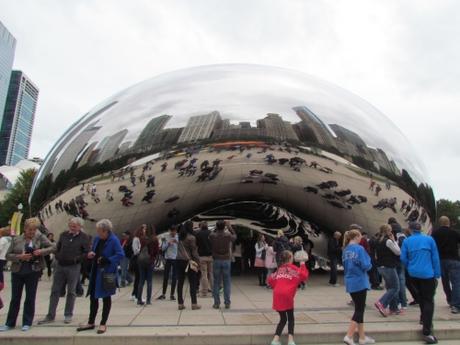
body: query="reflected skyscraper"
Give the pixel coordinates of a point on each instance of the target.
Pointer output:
(18, 119)
(200, 127)
(150, 134)
(276, 128)
(321, 131)
(7, 50)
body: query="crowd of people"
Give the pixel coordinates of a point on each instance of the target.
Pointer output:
(203, 256)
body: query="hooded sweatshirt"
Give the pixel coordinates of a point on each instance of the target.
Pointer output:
(284, 283)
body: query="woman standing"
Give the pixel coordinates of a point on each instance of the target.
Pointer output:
(270, 261)
(145, 263)
(387, 253)
(297, 246)
(356, 264)
(106, 255)
(187, 263)
(26, 253)
(261, 253)
(136, 246)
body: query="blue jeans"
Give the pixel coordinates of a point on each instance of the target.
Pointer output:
(391, 296)
(145, 274)
(125, 276)
(402, 285)
(221, 273)
(451, 281)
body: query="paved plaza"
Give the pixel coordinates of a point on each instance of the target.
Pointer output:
(322, 315)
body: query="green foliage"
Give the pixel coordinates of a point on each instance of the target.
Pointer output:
(450, 209)
(19, 194)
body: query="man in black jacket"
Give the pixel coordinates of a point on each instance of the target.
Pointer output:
(205, 252)
(334, 252)
(447, 241)
(71, 249)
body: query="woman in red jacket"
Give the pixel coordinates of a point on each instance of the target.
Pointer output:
(284, 283)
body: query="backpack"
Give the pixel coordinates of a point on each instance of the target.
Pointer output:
(144, 257)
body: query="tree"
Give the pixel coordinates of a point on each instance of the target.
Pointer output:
(19, 194)
(450, 209)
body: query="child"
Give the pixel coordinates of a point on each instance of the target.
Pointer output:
(284, 283)
(356, 263)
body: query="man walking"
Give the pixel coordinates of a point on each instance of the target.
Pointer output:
(447, 241)
(420, 256)
(169, 247)
(204, 251)
(72, 247)
(221, 241)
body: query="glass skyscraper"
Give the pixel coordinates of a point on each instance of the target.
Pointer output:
(7, 48)
(18, 119)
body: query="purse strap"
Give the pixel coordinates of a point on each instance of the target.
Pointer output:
(185, 250)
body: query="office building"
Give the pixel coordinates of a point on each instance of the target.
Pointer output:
(18, 119)
(200, 127)
(7, 49)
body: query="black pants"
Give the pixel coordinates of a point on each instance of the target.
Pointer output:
(18, 283)
(374, 276)
(136, 272)
(287, 315)
(94, 306)
(359, 300)
(426, 289)
(48, 265)
(192, 276)
(170, 265)
(262, 274)
(333, 273)
(411, 287)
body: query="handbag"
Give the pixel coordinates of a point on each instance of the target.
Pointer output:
(109, 281)
(301, 256)
(192, 265)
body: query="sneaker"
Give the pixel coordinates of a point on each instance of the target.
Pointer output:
(349, 341)
(5, 328)
(140, 303)
(216, 306)
(455, 310)
(196, 306)
(275, 342)
(378, 288)
(396, 312)
(291, 343)
(227, 306)
(413, 303)
(132, 298)
(430, 339)
(148, 303)
(181, 307)
(380, 308)
(25, 328)
(366, 340)
(45, 321)
(160, 298)
(172, 298)
(334, 285)
(67, 319)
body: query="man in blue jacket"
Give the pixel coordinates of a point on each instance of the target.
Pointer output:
(419, 254)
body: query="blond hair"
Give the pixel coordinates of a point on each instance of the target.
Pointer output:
(280, 233)
(385, 230)
(32, 222)
(350, 235)
(298, 240)
(444, 221)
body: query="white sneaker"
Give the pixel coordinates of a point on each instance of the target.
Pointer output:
(132, 298)
(349, 341)
(366, 340)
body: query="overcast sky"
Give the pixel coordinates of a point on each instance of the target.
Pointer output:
(401, 56)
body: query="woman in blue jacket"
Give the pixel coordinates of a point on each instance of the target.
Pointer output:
(356, 263)
(106, 256)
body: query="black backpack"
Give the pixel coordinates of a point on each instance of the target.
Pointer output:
(128, 249)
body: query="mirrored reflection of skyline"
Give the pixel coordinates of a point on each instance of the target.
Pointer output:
(221, 103)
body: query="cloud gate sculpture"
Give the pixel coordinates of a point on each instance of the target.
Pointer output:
(266, 147)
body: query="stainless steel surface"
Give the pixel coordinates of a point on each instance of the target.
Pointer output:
(313, 149)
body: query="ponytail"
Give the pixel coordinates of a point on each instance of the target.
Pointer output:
(349, 236)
